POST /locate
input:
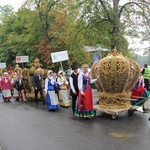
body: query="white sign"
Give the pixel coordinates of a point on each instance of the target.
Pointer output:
(59, 56)
(2, 65)
(21, 59)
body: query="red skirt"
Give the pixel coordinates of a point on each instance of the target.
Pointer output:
(85, 102)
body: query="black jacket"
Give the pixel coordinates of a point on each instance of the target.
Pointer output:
(36, 81)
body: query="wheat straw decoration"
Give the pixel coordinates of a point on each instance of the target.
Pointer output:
(117, 75)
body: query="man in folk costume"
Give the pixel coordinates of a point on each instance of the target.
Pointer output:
(51, 94)
(85, 100)
(37, 84)
(6, 86)
(63, 93)
(73, 80)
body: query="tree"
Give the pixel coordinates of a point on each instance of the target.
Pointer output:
(109, 22)
(19, 35)
(57, 26)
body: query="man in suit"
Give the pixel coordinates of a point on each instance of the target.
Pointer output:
(37, 84)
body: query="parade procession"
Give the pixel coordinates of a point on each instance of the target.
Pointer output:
(74, 74)
(118, 80)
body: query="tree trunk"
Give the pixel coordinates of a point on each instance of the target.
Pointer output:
(115, 34)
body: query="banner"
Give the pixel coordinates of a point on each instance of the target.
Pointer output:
(59, 56)
(22, 59)
(2, 65)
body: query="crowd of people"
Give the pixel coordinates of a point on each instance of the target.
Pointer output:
(55, 91)
(12, 86)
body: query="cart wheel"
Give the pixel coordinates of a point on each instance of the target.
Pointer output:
(114, 117)
(149, 118)
(94, 113)
(130, 112)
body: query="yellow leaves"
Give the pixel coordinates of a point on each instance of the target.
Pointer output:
(11, 38)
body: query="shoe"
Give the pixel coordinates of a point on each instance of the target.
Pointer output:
(24, 100)
(145, 109)
(20, 100)
(44, 102)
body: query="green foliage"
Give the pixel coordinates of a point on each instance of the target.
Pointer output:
(40, 28)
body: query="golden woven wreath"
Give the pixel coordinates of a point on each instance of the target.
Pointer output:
(117, 75)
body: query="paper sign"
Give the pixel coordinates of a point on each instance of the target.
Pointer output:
(2, 65)
(21, 59)
(59, 56)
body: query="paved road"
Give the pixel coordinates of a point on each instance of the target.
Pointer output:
(26, 126)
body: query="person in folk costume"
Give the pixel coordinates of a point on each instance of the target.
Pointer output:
(20, 86)
(141, 80)
(73, 80)
(6, 86)
(85, 100)
(63, 93)
(51, 94)
(139, 93)
(14, 90)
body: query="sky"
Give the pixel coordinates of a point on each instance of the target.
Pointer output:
(14, 3)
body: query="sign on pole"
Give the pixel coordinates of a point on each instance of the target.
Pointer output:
(59, 56)
(22, 59)
(2, 65)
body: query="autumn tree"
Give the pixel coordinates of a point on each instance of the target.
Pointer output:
(59, 31)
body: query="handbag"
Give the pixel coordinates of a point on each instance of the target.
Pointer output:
(56, 89)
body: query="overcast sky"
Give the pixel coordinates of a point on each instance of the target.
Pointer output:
(14, 3)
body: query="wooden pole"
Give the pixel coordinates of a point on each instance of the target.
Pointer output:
(61, 65)
(22, 66)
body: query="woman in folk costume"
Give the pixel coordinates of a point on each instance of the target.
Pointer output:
(14, 90)
(51, 94)
(63, 93)
(85, 100)
(139, 93)
(6, 86)
(20, 86)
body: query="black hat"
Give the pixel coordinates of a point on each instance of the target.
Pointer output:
(74, 66)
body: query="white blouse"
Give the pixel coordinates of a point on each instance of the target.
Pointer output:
(46, 82)
(80, 80)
